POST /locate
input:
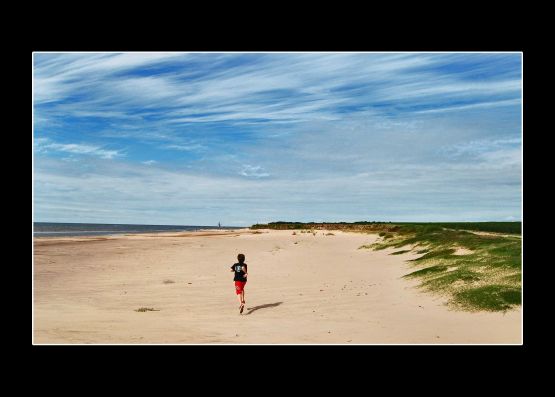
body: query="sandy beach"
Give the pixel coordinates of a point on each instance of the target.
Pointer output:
(302, 289)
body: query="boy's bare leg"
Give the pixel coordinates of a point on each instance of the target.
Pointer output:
(241, 303)
(243, 297)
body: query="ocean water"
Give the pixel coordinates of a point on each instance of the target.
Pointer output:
(47, 229)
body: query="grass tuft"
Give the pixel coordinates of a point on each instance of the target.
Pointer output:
(489, 298)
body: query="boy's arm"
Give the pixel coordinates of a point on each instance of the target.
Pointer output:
(245, 270)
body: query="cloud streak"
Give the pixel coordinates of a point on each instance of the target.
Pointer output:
(45, 145)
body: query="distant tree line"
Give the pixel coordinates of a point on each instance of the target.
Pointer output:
(496, 227)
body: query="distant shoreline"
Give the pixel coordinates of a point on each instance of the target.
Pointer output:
(54, 229)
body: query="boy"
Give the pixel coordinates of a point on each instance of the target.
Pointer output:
(240, 279)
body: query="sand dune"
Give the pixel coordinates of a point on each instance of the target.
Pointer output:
(302, 289)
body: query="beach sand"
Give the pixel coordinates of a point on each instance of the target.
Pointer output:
(302, 289)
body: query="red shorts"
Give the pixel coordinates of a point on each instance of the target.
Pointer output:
(239, 286)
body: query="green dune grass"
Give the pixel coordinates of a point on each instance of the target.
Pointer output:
(485, 276)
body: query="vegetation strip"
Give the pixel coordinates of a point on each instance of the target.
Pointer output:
(477, 272)
(487, 277)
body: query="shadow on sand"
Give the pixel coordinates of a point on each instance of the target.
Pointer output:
(253, 309)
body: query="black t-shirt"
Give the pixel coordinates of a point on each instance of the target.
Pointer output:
(239, 273)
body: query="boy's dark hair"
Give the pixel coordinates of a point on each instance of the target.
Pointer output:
(241, 258)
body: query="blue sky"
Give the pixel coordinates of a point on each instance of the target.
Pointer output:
(241, 138)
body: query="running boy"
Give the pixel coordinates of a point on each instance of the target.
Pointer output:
(240, 279)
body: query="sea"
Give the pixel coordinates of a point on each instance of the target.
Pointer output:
(50, 229)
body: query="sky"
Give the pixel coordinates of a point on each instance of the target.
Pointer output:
(244, 138)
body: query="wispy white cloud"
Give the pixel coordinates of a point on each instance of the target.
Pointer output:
(185, 147)
(254, 171)
(44, 145)
(444, 87)
(483, 146)
(481, 105)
